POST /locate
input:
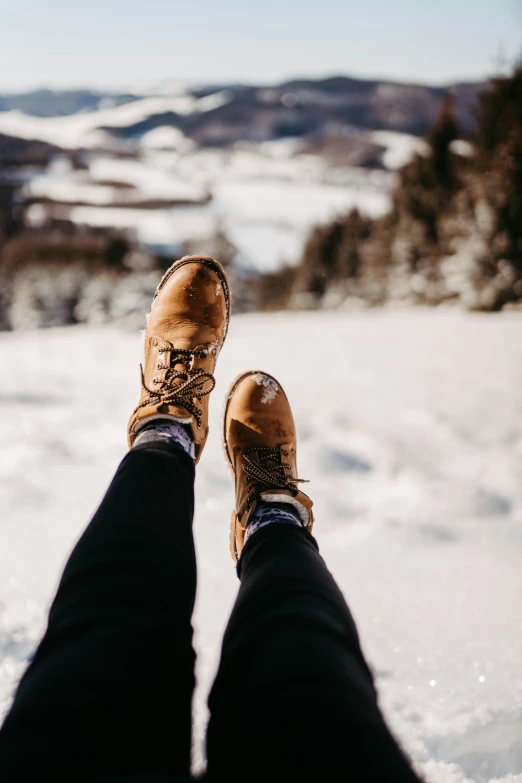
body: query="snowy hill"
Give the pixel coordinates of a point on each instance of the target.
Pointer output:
(56, 103)
(411, 433)
(302, 103)
(263, 164)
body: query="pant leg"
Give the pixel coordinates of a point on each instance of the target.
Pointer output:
(294, 695)
(109, 691)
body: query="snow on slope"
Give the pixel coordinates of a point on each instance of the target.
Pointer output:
(400, 147)
(411, 433)
(62, 184)
(265, 198)
(82, 130)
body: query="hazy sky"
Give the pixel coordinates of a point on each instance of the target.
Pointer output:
(123, 43)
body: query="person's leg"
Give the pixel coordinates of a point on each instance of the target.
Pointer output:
(293, 693)
(293, 697)
(109, 690)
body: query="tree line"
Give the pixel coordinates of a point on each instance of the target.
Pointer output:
(453, 231)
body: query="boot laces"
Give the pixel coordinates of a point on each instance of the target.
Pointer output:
(180, 387)
(270, 472)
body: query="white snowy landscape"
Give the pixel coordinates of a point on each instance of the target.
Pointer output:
(410, 430)
(165, 189)
(265, 197)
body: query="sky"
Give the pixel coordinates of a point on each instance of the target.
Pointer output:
(116, 44)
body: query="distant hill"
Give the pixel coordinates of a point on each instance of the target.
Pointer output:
(16, 152)
(300, 107)
(60, 103)
(383, 105)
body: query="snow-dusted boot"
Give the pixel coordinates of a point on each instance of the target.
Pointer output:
(186, 328)
(260, 443)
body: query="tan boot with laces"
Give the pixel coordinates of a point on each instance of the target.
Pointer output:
(186, 329)
(260, 443)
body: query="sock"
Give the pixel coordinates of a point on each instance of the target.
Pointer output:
(166, 431)
(268, 513)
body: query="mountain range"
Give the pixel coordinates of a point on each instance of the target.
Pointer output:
(297, 108)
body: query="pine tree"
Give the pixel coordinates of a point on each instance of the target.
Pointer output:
(442, 161)
(320, 262)
(355, 230)
(499, 158)
(428, 182)
(499, 111)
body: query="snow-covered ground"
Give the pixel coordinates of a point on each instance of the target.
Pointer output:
(83, 129)
(266, 197)
(410, 428)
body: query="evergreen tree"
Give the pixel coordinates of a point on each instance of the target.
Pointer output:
(499, 154)
(442, 161)
(355, 230)
(320, 261)
(499, 111)
(428, 182)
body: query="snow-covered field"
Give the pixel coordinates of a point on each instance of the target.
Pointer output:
(410, 427)
(266, 197)
(84, 128)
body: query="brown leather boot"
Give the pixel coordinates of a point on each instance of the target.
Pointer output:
(260, 443)
(186, 328)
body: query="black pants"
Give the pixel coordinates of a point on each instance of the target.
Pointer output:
(108, 694)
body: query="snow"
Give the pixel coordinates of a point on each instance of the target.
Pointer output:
(410, 430)
(152, 226)
(82, 130)
(400, 147)
(462, 147)
(150, 180)
(265, 198)
(267, 220)
(146, 182)
(69, 190)
(214, 101)
(166, 137)
(270, 387)
(302, 204)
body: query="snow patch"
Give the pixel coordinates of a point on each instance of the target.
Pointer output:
(270, 386)
(400, 147)
(433, 582)
(166, 137)
(214, 347)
